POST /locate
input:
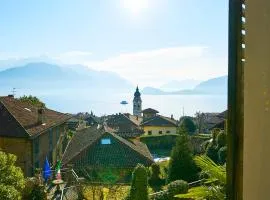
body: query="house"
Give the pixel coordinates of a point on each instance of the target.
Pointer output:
(154, 124)
(125, 125)
(97, 147)
(31, 133)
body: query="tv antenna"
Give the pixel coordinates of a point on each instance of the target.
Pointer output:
(13, 91)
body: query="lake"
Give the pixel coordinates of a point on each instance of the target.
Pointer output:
(107, 102)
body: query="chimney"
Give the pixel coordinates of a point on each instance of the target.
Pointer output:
(171, 116)
(41, 117)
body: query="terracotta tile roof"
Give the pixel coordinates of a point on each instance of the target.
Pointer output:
(125, 126)
(122, 154)
(159, 121)
(26, 115)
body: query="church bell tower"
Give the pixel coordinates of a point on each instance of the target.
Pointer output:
(137, 103)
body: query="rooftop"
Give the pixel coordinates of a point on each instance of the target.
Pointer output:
(20, 119)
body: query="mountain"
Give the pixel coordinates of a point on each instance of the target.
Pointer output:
(174, 85)
(45, 76)
(212, 86)
(10, 63)
(152, 91)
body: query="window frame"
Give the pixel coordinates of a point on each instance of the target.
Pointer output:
(235, 126)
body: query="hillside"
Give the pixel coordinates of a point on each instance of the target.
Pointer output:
(212, 86)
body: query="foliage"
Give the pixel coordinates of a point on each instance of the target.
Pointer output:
(159, 141)
(139, 185)
(221, 139)
(222, 155)
(108, 176)
(11, 177)
(216, 149)
(181, 164)
(163, 195)
(117, 192)
(155, 181)
(32, 100)
(188, 124)
(200, 119)
(177, 187)
(213, 187)
(212, 151)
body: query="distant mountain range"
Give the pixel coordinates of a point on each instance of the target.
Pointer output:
(44, 76)
(52, 76)
(212, 86)
(175, 85)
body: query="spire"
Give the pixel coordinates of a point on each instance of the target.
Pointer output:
(137, 93)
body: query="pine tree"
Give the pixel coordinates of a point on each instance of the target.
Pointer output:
(139, 185)
(181, 164)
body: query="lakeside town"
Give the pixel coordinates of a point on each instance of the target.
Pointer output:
(84, 156)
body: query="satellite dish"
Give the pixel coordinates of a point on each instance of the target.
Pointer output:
(124, 102)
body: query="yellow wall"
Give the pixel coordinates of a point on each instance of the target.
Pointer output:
(22, 148)
(256, 164)
(155, 130)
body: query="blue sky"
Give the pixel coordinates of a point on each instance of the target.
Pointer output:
(146, 41)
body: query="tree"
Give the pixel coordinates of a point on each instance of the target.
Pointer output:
(11, 177)
(216, 149)
(32, 100)
(214, 187)
(181, 164)
(139, 185)
(200, 121)
(188, 124)
(155, 181)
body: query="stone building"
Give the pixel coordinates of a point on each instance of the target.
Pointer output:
(31, 133)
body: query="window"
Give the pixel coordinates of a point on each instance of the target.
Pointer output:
(50, 139)
(149, 132)
(168, 131)
(160, 132)
(106, 141)
(36, 146)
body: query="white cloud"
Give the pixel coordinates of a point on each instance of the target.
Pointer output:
(156, 67)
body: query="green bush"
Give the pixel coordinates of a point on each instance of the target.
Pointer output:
(163, 195)
(222, 155)
(174, 188)
(11, 177)
(181, 164)
(188, 124)
(177, 187)
(221, 139)
(139, 185)
(212, 151)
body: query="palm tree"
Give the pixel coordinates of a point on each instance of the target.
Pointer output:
(213, 187)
